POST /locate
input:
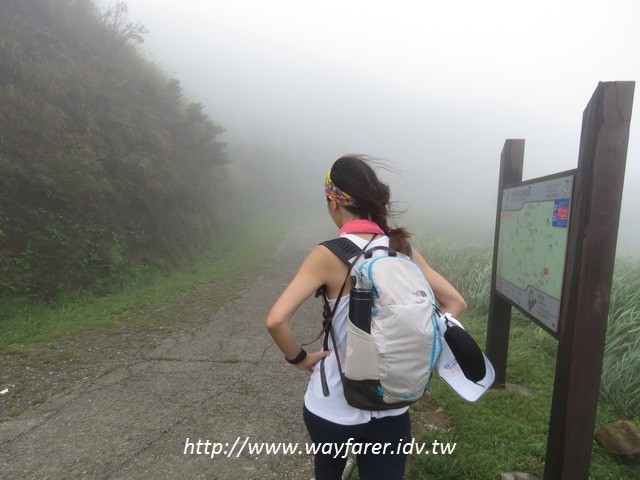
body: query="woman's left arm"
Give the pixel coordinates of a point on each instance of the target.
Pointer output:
(449, 299)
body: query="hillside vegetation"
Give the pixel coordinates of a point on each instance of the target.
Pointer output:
(105, 168)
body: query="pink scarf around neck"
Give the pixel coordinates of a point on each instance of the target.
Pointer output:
(360, 225)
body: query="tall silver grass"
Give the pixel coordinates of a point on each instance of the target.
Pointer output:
(468, 267)
(620, 381)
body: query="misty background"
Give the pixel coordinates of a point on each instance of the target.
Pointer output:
(432, 89)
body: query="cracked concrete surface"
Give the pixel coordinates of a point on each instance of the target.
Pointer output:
(226, 381)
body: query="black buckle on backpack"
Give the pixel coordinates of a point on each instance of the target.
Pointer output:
(390, 252)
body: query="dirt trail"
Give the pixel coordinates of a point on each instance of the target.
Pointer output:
(223, 381)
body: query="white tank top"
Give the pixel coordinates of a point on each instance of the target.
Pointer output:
(335, 407)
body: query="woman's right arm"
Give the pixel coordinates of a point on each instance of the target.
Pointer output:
(313, 273)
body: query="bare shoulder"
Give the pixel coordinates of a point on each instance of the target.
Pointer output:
(332, 269)
(326, 258)
(321, 262)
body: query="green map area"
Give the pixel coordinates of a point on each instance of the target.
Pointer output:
(532, 250)
(532, 246)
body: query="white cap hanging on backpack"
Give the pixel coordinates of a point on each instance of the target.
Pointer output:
(468, 371)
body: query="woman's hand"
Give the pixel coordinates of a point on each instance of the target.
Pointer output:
(311, 359)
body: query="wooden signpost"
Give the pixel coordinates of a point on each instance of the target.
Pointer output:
(554, 252)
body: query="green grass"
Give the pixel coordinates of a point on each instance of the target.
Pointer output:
(621, 367)
(507, 430)
(25, 323)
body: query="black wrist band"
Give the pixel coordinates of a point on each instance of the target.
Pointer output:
(301, 356)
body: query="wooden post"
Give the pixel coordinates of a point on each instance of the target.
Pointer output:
(587, 283)
(511, 162)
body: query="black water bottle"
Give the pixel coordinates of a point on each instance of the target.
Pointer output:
(360, 308)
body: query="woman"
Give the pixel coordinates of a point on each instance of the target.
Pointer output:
(359, 204)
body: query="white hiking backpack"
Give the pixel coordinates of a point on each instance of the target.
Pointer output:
(388, 363)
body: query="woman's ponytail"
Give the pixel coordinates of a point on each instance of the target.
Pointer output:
(399, 240)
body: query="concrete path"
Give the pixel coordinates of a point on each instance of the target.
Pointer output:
(223, 384)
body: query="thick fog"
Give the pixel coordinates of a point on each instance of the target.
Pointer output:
(434, 90)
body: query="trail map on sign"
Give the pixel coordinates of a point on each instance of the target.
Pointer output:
(532, 246)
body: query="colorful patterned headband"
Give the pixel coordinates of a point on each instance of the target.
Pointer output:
(334, 193)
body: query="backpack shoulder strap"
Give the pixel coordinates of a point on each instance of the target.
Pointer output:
(343, 248)
(349, 253)
(346, 251)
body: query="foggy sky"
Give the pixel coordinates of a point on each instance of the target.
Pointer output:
(433, 89)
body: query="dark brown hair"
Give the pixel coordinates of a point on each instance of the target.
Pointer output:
(355, 175)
